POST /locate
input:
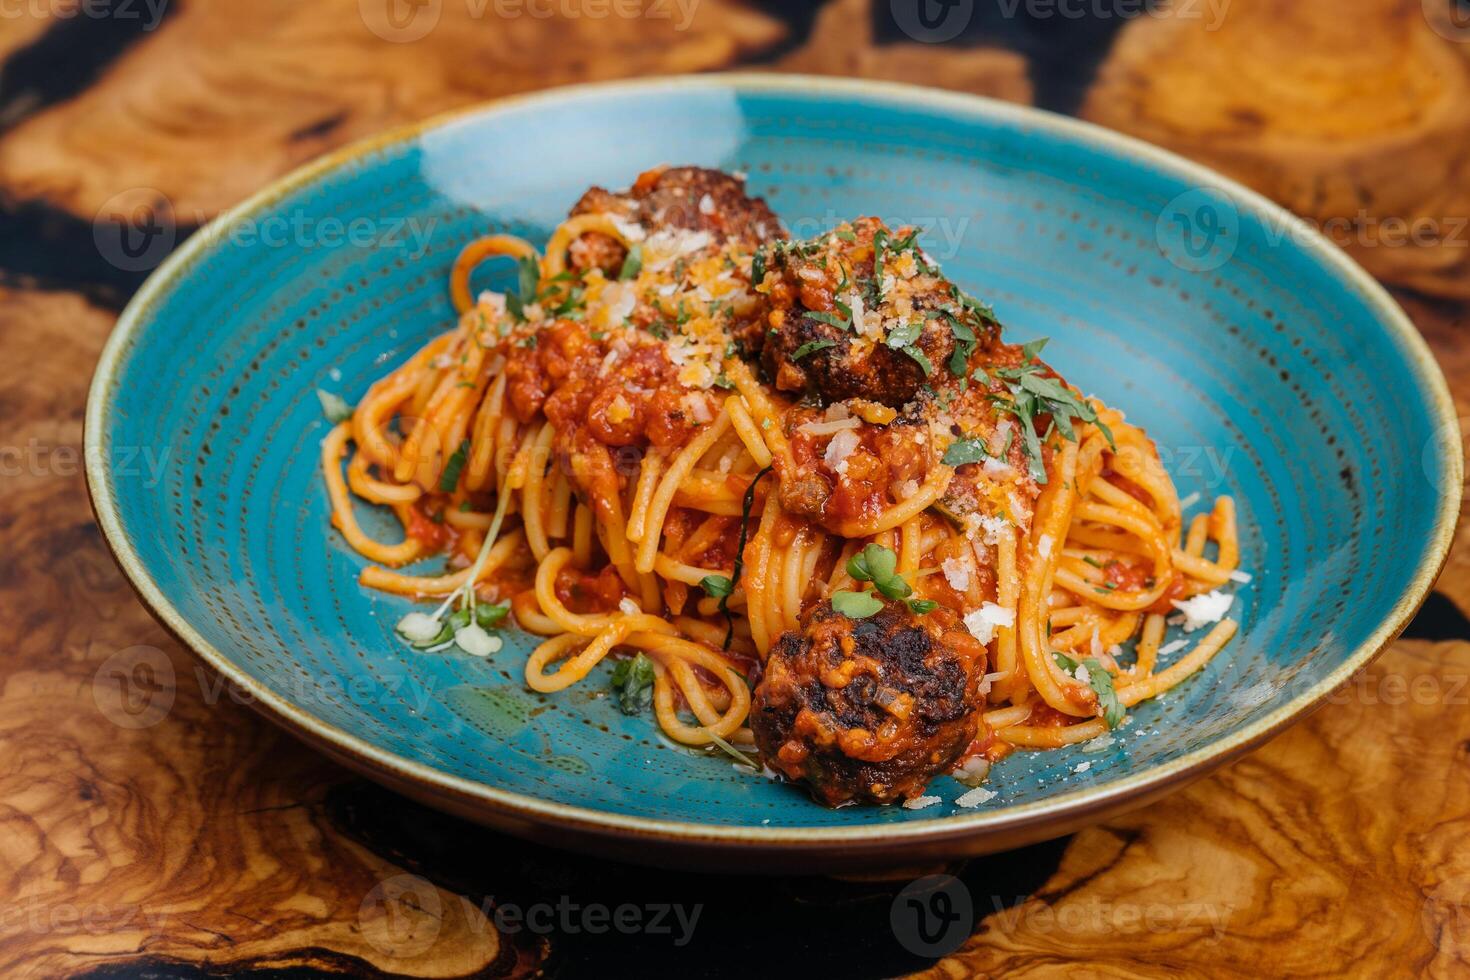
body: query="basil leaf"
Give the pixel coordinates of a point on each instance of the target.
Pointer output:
(924, 363)
(904, 335)
(716, 586)
(1101, 682)
(811, 347)
(832, 320)
(1031, 348)
(633, 264)
(922, 606)
(449, 479)
(963, 451)
(633, 682)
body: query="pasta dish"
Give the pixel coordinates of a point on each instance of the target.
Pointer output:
(802, 495)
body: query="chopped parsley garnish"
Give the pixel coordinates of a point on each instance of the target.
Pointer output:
(856, 605)
(334, 407)
(758, 269)
(659, 330)
(449, 479)
(811, 347)
(633, 264)
(963, 451)
(921, 607)
(846, 235)
(633, 682)
(1101, 682)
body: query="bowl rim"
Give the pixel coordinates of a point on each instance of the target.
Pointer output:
(1029, 818)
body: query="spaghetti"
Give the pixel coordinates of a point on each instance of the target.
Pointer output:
(590, 448)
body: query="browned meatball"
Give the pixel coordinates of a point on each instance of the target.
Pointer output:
(691, 198)
(868, 709)
(861, 312)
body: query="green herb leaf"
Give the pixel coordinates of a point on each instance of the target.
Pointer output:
(856, 605)
(846, 235)
(926, 365)
(528, 277)
(831, 319)
(811, 347)
(335, 407)
(904, 334)
(633, 682)
(879, 565)
(921, 607)
(449, 479)
(491, 615)
(716, 586)
(963, 451)
(633, 264)
(1101, 683)
(758, 269)
(1031, 348)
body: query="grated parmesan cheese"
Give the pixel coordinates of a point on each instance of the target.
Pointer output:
(1239, 576)
(842, 446)
(828, 428)
(972, 771)
(956, 573)
(982, 622)
(975, 797)
(920, 802)
(1202, 610)
(629, 606)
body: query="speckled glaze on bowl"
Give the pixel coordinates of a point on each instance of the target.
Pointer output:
(1265, 363)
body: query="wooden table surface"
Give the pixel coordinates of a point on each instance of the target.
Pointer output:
(209, 844)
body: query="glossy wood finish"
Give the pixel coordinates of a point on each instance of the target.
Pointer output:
(202, 841)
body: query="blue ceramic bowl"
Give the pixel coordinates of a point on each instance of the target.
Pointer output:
(1263, 361)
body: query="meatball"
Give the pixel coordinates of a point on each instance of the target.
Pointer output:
(861, 312)
(689, 198)
(868, 709)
